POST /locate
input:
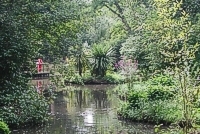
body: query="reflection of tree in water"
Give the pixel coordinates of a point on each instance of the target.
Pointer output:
(61, 121)
(60, 103)
(84, 96)
(81, 97)
(100, 98)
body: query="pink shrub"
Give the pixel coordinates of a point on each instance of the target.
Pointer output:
(127, 66)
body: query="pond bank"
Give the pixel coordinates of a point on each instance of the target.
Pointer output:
(95, 81)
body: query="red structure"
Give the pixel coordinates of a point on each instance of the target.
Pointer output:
(39, 65)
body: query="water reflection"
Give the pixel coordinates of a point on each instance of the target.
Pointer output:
(40, 84)
(86, 110)
(100, 98)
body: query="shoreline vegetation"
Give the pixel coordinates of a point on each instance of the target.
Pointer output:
(93, 81)
(156, 101)
(110, 78)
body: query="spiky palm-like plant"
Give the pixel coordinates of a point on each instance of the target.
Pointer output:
(102, 57)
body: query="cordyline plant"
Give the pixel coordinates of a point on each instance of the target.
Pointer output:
(101, 57)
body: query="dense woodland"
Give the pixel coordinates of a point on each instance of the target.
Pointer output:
(118, 41)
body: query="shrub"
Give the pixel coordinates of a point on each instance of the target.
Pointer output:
(159, 111)
(109, 78)
(136, 98)
(87, 77)
(165, 112)
(77, 79)
(113, 78)
(150, 103)
(164, 80)
(123, 110)
(161, 87)
(4, 128)
(23, 107)
(158, 92)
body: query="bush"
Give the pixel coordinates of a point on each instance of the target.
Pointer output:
(87, 77)
(23, 107)
(4, 128)
(154, 103)
(164, 80)
(161, 87)
(165, 112)
(77, 79)
(136, 98)
(158, 92)
(113, 78)
(123, 110)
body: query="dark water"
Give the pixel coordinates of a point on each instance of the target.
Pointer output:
(86, 110)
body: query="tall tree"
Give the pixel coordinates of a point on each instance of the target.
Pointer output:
(115, 7)
(24, 25)
(127, 11)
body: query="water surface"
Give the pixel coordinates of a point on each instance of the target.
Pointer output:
(86, 110)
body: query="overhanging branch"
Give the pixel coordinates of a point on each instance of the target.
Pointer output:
(112, 10)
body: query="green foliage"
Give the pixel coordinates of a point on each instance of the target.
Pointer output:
(79, 54)
(25, 26)
(4, 128)
(102, 57)
(166, 112)
(123, 110)
(157, 112)
(116, 8)
(77, 79)
(158, 92)
(163, 80)
(191, 7)
(114, 78)
(24, 106)
(150, 103)
(178, 50)
(161, 87)
(162, 34)
(59, 27)
(136, 98)
(110, 78)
